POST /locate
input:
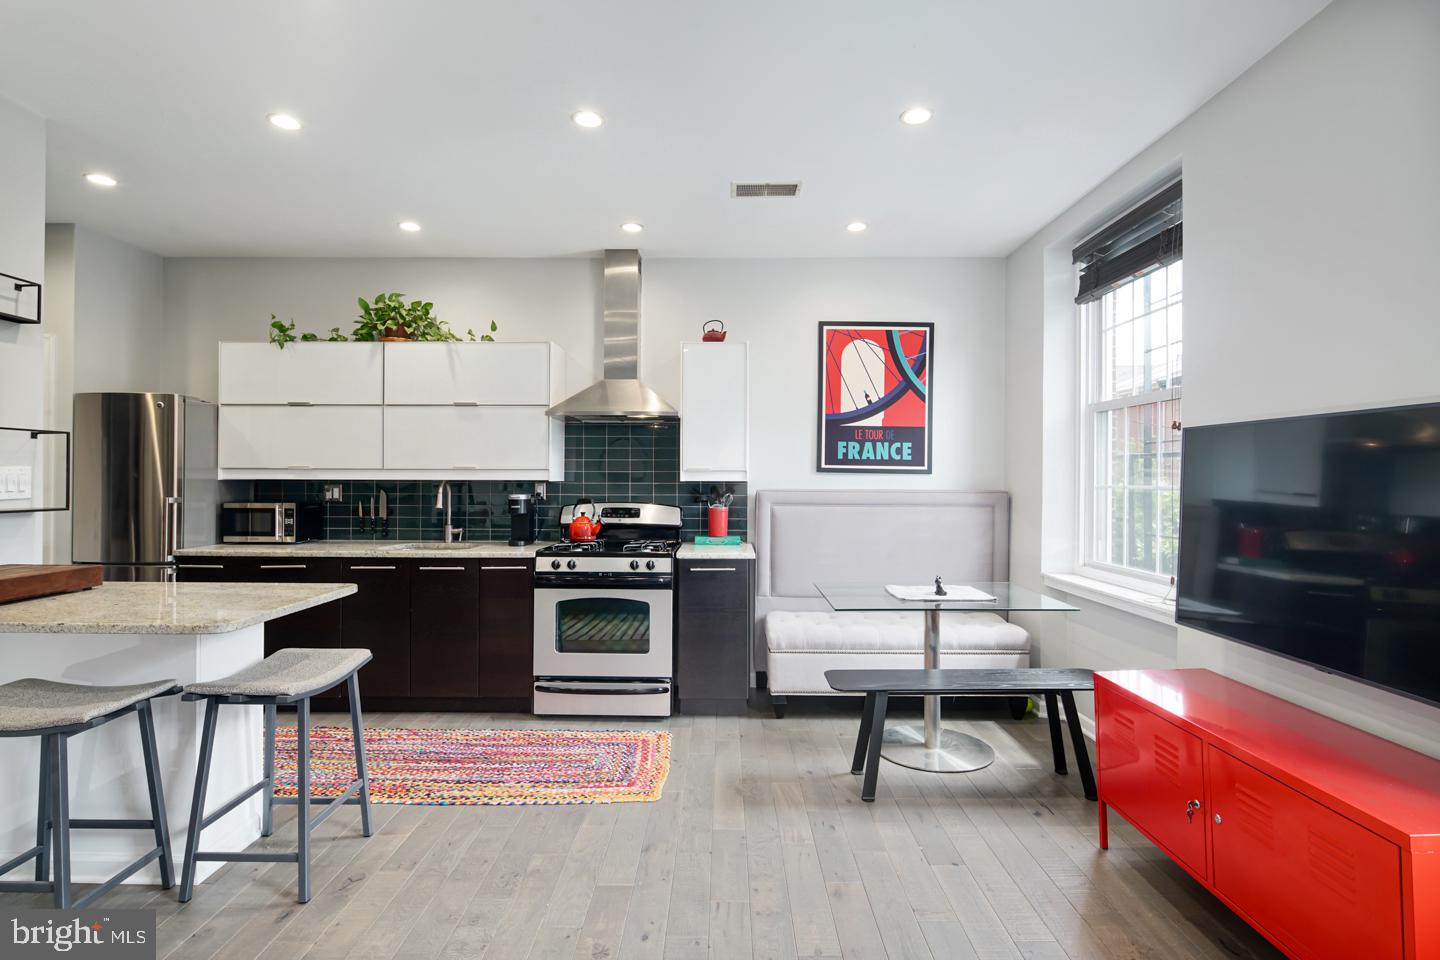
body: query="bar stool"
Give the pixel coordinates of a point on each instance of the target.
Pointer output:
(55, 712)
(289, 676)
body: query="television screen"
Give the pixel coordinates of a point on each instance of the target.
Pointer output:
(1318, 538)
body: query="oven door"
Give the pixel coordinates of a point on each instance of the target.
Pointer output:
(603, 633)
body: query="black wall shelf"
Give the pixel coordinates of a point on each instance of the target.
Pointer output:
(21, 285)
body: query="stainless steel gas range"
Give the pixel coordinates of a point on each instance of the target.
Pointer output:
(604, 615)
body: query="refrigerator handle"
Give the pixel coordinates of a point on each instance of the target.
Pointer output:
(172, 527)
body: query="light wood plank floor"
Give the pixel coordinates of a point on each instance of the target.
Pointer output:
(759, 848)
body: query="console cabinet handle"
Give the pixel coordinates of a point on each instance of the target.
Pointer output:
(518, 566)
(357, 566)
(283, 566)
(442, 568)
(200, 566)
(711, 570)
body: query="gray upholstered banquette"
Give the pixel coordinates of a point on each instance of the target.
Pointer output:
(804, 537)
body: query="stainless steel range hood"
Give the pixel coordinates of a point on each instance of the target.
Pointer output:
(620, 396)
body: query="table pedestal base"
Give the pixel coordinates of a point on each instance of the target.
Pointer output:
(954, 753)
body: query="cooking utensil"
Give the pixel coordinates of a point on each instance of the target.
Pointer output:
(582, 525)
(384, 512)
(714, 331)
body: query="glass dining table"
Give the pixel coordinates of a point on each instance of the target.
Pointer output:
(930, 746)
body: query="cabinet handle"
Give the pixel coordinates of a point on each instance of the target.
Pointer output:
(442, 568)
(1191, 809)
(357, 566)
(711, 570)
(298, 466)
(282, 566)
(1217, 818)
(464, 403)
(298, 403)
(518, 566)
(201, 566)
(465, 466)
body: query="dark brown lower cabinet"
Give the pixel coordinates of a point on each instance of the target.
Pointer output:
(377, 617)
(712, 632)
(438, 629)
(507, 630)
(445, 628)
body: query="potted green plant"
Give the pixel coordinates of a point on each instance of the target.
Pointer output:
(282, 333)
(390, 318)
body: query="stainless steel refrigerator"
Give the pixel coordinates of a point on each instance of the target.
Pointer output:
(145, 481)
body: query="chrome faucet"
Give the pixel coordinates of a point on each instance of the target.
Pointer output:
(445, 500)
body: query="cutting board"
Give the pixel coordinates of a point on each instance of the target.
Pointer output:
(26, 581)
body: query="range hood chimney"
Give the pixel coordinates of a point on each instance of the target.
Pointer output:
(620, 396)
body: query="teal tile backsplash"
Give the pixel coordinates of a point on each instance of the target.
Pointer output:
(639, 462)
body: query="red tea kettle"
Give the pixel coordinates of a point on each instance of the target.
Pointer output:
(583, 526)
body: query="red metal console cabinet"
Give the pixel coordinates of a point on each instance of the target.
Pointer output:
(1324, 838)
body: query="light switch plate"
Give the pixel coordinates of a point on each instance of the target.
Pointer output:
(15, 483)
(334, 491)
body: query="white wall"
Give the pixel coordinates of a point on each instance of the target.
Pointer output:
(774, 304)
(119, 325)
(1311, 192)
(22, 252)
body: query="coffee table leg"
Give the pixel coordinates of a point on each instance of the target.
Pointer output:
(862, 742)
(1077, 740)
(877, 734)
(1057, 739)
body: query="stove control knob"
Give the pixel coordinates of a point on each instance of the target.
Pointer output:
(571, 564)
(634, 564)
(649, 564)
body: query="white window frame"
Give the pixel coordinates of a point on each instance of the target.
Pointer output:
(1089, 357)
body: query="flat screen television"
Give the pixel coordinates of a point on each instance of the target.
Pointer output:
(1318, 538)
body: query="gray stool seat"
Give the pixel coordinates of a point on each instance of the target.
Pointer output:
(292, 672)
(32, 704)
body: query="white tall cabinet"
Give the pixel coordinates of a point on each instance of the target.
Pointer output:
(715, 412)
(345, 411)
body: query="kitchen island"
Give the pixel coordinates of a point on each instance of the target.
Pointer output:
(120, 633)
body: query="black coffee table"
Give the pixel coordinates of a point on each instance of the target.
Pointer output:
(880, 685)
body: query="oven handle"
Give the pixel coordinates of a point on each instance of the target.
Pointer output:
(602, 691)
(613, 581)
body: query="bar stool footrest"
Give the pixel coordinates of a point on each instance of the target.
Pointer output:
(25, 857)
(248, 856)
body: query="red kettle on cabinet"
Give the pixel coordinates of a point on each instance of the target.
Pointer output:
(583, 526)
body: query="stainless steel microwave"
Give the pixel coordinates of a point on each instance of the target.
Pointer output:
(271, 522)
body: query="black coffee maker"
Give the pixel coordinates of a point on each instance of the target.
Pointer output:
(524, 519)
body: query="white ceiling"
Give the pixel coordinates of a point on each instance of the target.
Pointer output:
(455, 113)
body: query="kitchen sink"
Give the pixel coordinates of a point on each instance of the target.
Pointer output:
(437, 545)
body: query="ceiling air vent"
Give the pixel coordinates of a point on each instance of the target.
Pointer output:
(765, 189)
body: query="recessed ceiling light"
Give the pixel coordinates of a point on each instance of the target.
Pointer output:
(587, 118)
(101, 179)
(409, 226)
(916, 116)
(284, 121)
(630, 226)
(857, 226)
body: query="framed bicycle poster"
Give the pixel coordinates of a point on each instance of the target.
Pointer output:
(874, 398)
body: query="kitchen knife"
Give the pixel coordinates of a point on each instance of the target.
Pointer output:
(384, 507)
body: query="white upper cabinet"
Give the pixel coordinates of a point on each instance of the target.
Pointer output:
(298, 439)
(714, 411)
(474, 374)
(301, 373)
(499, 442)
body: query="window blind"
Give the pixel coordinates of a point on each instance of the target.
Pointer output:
(1150, 235)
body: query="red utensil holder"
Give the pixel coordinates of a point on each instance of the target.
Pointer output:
(718, 521)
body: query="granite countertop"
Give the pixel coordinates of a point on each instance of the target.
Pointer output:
(706, 551)
(427, 549)
(166, 608)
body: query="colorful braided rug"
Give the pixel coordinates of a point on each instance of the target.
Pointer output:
(470, 767)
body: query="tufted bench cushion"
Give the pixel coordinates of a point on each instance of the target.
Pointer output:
(803, 644)
(896, 631)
